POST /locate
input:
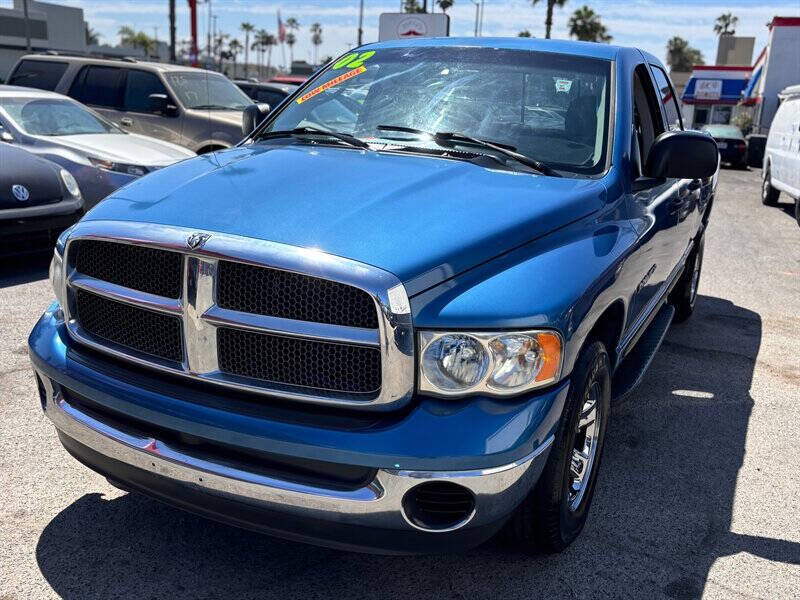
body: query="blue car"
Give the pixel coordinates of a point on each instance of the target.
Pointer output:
(394, 317)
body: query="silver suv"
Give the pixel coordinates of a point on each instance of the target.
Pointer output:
(195, 108)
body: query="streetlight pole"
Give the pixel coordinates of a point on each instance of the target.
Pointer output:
(360, 22)
(208, 35)
(477, 15)
(172, 31)
(27, 26)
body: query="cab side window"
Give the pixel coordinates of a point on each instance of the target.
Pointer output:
(668, 100)
(98, 86)
(647, 121)
(138, 87)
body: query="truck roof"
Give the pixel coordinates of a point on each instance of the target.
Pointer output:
(589, 49)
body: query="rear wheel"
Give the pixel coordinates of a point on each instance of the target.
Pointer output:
(684, 296)
(554, 513)
(769, 195)
(797, 209)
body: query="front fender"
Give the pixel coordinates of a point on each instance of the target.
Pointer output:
(563, 281)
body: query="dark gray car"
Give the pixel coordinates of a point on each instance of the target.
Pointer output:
(198, 109)
(38, 200)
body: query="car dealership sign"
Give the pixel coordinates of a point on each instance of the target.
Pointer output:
(398, 26)
(708, 89)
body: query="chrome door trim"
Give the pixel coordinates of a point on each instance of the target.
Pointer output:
(201, 316)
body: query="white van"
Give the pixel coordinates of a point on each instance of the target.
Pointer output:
(781, 170)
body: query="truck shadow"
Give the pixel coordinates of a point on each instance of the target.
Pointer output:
(661, 515)
(18, 270)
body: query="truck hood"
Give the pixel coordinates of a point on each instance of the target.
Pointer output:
(126, 148)
(424, 219)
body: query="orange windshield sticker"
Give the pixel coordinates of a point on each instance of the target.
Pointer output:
(329, 84)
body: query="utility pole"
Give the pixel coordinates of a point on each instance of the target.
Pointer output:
(477, 15)
(480, 28)
(172, 57)
(208, 35)
(27, 26)
(360, 22)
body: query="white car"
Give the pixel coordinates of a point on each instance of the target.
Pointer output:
(781, 170)
(101, 156)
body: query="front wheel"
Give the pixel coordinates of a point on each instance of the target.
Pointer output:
(797, 209)
(554, 513)
(769, 195)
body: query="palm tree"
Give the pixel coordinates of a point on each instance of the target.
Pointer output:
(585, 25)
(126, 35)
(219, 44)
(726, 24)
(269, 41)
(444, 4)
(316, 39)
(681, 56)
(524, 33)
(234, 48)
(92, 37)
(290, 41)
(548, 21)
(292, 24)
(247, 28)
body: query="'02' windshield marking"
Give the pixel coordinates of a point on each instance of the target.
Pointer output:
(329, 84)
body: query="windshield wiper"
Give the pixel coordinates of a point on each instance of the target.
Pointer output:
(448, 138)
(342, 137)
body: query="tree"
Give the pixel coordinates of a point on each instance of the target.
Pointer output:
(126, 35)
(412, 6)
(234, 48)
(247, 28)
(681, 56)
(316, 39)
(726, 24)
(92, 37)
(135, 39)
(290, 41)
(524, 33)
(548, 21)
(219, 47)
(292, 24)
(585, 25)
(444, 4)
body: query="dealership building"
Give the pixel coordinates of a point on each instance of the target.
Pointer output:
(718, 94)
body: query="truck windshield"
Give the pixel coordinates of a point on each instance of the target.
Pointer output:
(207, 91)
(547, 106)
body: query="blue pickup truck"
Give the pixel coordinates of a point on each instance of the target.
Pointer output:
(394, 317)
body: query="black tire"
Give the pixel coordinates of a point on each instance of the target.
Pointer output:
(684, 295)
(797, 210)
(552, 517)
(769, 195)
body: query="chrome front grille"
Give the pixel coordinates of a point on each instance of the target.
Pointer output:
(244, 313)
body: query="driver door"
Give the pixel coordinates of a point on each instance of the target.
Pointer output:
(138, 86)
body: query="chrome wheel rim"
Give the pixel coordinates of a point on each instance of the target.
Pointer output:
(695, 278)
(586, 439)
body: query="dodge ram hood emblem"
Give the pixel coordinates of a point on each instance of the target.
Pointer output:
(197, 240)
(20, 192)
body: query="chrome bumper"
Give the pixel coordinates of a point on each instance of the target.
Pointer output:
(497, 490)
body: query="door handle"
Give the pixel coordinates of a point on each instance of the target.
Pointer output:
(125, 121)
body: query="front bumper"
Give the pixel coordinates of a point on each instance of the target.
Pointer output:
(370, 516)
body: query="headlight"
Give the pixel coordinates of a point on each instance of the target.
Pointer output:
(57, 276)
(70, 183)
(135, 170)
(492, 363)
(57, 266)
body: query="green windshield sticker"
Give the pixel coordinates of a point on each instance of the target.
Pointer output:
(353, 60)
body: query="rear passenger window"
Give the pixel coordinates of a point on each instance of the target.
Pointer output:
(100, 87)
(138, 86)
(41, 74)
(668, 99)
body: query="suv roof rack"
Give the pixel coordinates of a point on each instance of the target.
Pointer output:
(66, 53)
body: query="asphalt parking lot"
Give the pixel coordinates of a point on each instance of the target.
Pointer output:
(699, 495)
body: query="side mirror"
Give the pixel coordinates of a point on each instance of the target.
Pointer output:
(252, 117)
(682, 155)
(158, 103)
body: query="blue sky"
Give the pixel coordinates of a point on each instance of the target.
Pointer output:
(644, 23)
